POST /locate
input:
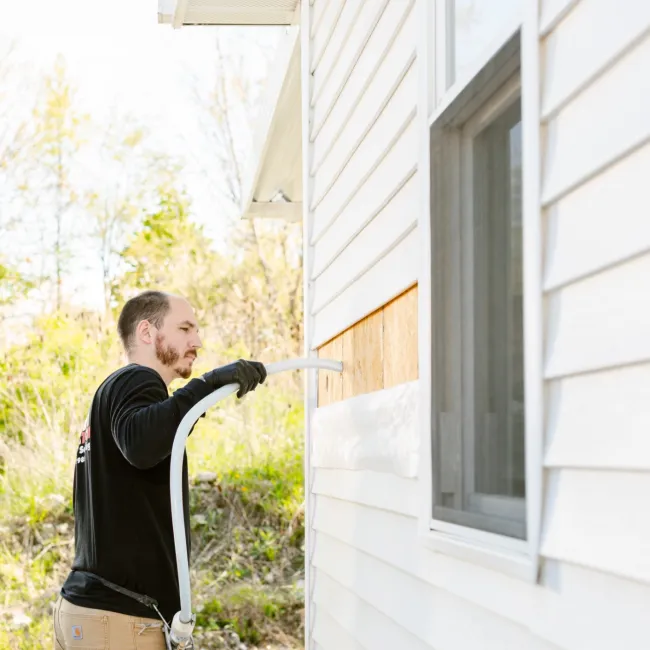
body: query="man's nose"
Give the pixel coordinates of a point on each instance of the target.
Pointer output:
(196, 343)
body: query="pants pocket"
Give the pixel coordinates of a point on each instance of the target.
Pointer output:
(149, 636)
(80, 631)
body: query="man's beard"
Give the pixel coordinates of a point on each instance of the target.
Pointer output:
(169, 356)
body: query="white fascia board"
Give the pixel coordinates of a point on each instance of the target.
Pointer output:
(179, 13)
(275, 163)
(180, 10)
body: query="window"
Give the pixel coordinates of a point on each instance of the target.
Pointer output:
(478, 445)
(474, 26)
(467, 33)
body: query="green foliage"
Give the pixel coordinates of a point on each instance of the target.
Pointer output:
(247, 522)
(251, 612)
(47, 381)
(250, 532)
(172, 252)
(245, 457)
(13, 285)
(56, 119)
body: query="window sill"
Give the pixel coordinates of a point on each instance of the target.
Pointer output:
(507, 556)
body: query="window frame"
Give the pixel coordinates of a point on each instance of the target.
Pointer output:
(444, 50)
(455, 139)
(439, 106)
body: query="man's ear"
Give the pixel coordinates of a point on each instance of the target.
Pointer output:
(144, 332)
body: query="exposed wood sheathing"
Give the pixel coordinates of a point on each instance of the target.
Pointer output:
(380, 351)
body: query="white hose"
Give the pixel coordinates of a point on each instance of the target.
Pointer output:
(176, 470)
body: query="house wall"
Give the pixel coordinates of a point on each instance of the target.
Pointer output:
(374, 585)
(362, 265)
(362, 160)
(595, 110)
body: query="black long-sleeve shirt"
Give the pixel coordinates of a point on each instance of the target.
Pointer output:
(122, 505)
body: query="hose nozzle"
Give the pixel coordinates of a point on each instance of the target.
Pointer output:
(180, 634)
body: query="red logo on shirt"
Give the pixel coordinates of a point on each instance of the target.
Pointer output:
(84, 443)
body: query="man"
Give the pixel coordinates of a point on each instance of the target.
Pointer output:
(124, 547)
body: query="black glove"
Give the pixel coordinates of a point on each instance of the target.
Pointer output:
(248, 374)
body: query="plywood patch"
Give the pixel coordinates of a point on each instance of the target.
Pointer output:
(380, 351)
(368, 354)
(347, 339)
(400, 341)
(330, 384)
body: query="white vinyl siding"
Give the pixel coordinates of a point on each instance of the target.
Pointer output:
(374, 583)
(363, 152)
(367, 553)
(596, 116)
(374, 579)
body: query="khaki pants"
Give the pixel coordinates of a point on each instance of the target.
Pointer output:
(96, 629)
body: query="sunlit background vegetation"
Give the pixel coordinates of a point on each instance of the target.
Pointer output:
(68, 233)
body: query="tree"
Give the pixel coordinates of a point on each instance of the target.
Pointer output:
(125, 186)
(13, 286)
(265, 281)
(171, 253)
(14, 138)
(56, 143)
(14, 132)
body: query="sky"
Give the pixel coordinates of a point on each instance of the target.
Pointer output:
(119, 57)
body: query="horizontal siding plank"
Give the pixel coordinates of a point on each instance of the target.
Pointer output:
(391, 276)
(585, 42)
(581, 234)
(436, 617)
(341, 34)
(605, 122)
(385, 182)
(400, 546)
(378, 490)
(600, 322)
(553, 11)
(327, 632)
(317, 15)
(377, 431)
(600, 420)
(397, 60)
(362, 75)
(321, 36)
(582, 609)
(364, 623)
(574, 607)
(384, 134)
(382, 234)
(599, 520)
(326, 91)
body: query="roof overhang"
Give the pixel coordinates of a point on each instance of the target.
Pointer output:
(227, 12)
(272, 179)
(273, 175)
